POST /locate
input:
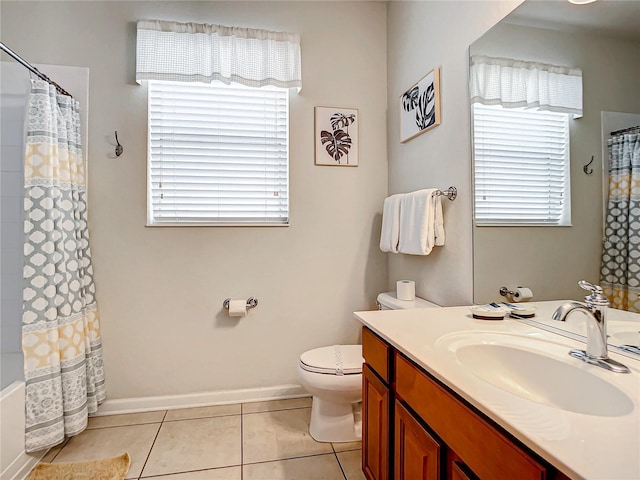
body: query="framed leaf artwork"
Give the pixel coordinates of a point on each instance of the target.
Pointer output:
(420, 106)
(336, 136)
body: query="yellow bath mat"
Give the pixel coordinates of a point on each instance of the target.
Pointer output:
(103, 469)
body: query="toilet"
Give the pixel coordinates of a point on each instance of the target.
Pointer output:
(333, 376)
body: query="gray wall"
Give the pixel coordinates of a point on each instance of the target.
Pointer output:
(551, 260)
(423, 35)
(160, 290)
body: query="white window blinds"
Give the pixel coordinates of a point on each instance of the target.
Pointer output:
(521, 166)
(218, 154)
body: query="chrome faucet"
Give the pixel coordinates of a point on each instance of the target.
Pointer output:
(595, 312)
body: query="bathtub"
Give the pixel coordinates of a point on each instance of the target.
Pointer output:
(15, 463)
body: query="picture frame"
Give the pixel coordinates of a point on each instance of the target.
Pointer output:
(336, 136)
(419, 106)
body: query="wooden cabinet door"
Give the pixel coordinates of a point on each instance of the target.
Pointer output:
(375, 426)
(458, 473)
(417, 454)
(456, 469)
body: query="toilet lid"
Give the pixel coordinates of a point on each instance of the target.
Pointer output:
(333, 360)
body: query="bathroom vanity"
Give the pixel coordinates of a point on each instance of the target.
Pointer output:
(446, 396)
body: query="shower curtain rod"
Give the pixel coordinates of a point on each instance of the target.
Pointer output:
(32, 69)
(625, 130)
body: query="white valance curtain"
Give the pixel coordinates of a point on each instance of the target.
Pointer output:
(516, 83)
(192, 52)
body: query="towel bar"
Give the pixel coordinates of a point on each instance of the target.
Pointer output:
(451, 193)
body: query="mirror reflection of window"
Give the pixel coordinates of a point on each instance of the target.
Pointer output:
(521, 166)
(521, 116)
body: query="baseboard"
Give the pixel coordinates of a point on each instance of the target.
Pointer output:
(22, 466)
(201, 399)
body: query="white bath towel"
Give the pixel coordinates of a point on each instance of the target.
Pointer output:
(389, 235)
(421, 222)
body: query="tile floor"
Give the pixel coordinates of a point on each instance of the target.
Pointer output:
(249, 441)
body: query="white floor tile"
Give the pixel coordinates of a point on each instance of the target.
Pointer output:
(126, 419)
(271, 405)
(279, 435)
(319, 467)
(347, 446)
(270, 438)
(203, 412)
(228, 473)
(111, 442)
(199, 444)
(351, 463)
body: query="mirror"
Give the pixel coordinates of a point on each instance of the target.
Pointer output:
(602, 38)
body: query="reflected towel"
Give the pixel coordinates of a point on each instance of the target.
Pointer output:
(421, 222)
(390, 232)
(438, 220)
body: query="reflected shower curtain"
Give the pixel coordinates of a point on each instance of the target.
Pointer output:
(60, 327)
(620, 267)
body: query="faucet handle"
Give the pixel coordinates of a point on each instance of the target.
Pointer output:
(590, 286)
(596, 297)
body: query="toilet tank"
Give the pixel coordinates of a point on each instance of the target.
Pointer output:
(389, 301)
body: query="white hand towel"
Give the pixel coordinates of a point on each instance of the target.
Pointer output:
(438, 220)
(417, 222)
(390, 231)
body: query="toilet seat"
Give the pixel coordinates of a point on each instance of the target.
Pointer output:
(334, 360)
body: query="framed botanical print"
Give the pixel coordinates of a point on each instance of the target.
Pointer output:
(336, 136)
(420, 106)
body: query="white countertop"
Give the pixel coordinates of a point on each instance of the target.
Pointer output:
(578, 444)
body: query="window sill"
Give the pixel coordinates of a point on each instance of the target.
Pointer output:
(481, 225)
(184, 224)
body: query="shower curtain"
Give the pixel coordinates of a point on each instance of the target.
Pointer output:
(620, 266)
(60, 326)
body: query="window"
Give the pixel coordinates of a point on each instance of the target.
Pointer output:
(218, 154)
(521, 166)
(218, 122)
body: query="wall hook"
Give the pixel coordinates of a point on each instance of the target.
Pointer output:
(119, 148)
(586, 168)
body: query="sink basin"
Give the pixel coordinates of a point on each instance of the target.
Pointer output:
(513, 365)
(620, 332)
(629, 337)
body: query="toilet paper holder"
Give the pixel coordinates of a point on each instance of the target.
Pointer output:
(504, 291)
(520, 294)
(251, 302)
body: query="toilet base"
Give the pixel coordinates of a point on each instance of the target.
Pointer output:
(335, 422)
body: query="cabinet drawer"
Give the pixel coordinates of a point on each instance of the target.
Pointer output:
(376, 353)
(484, 449)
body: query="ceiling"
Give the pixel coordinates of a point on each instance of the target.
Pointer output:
(611, 18)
